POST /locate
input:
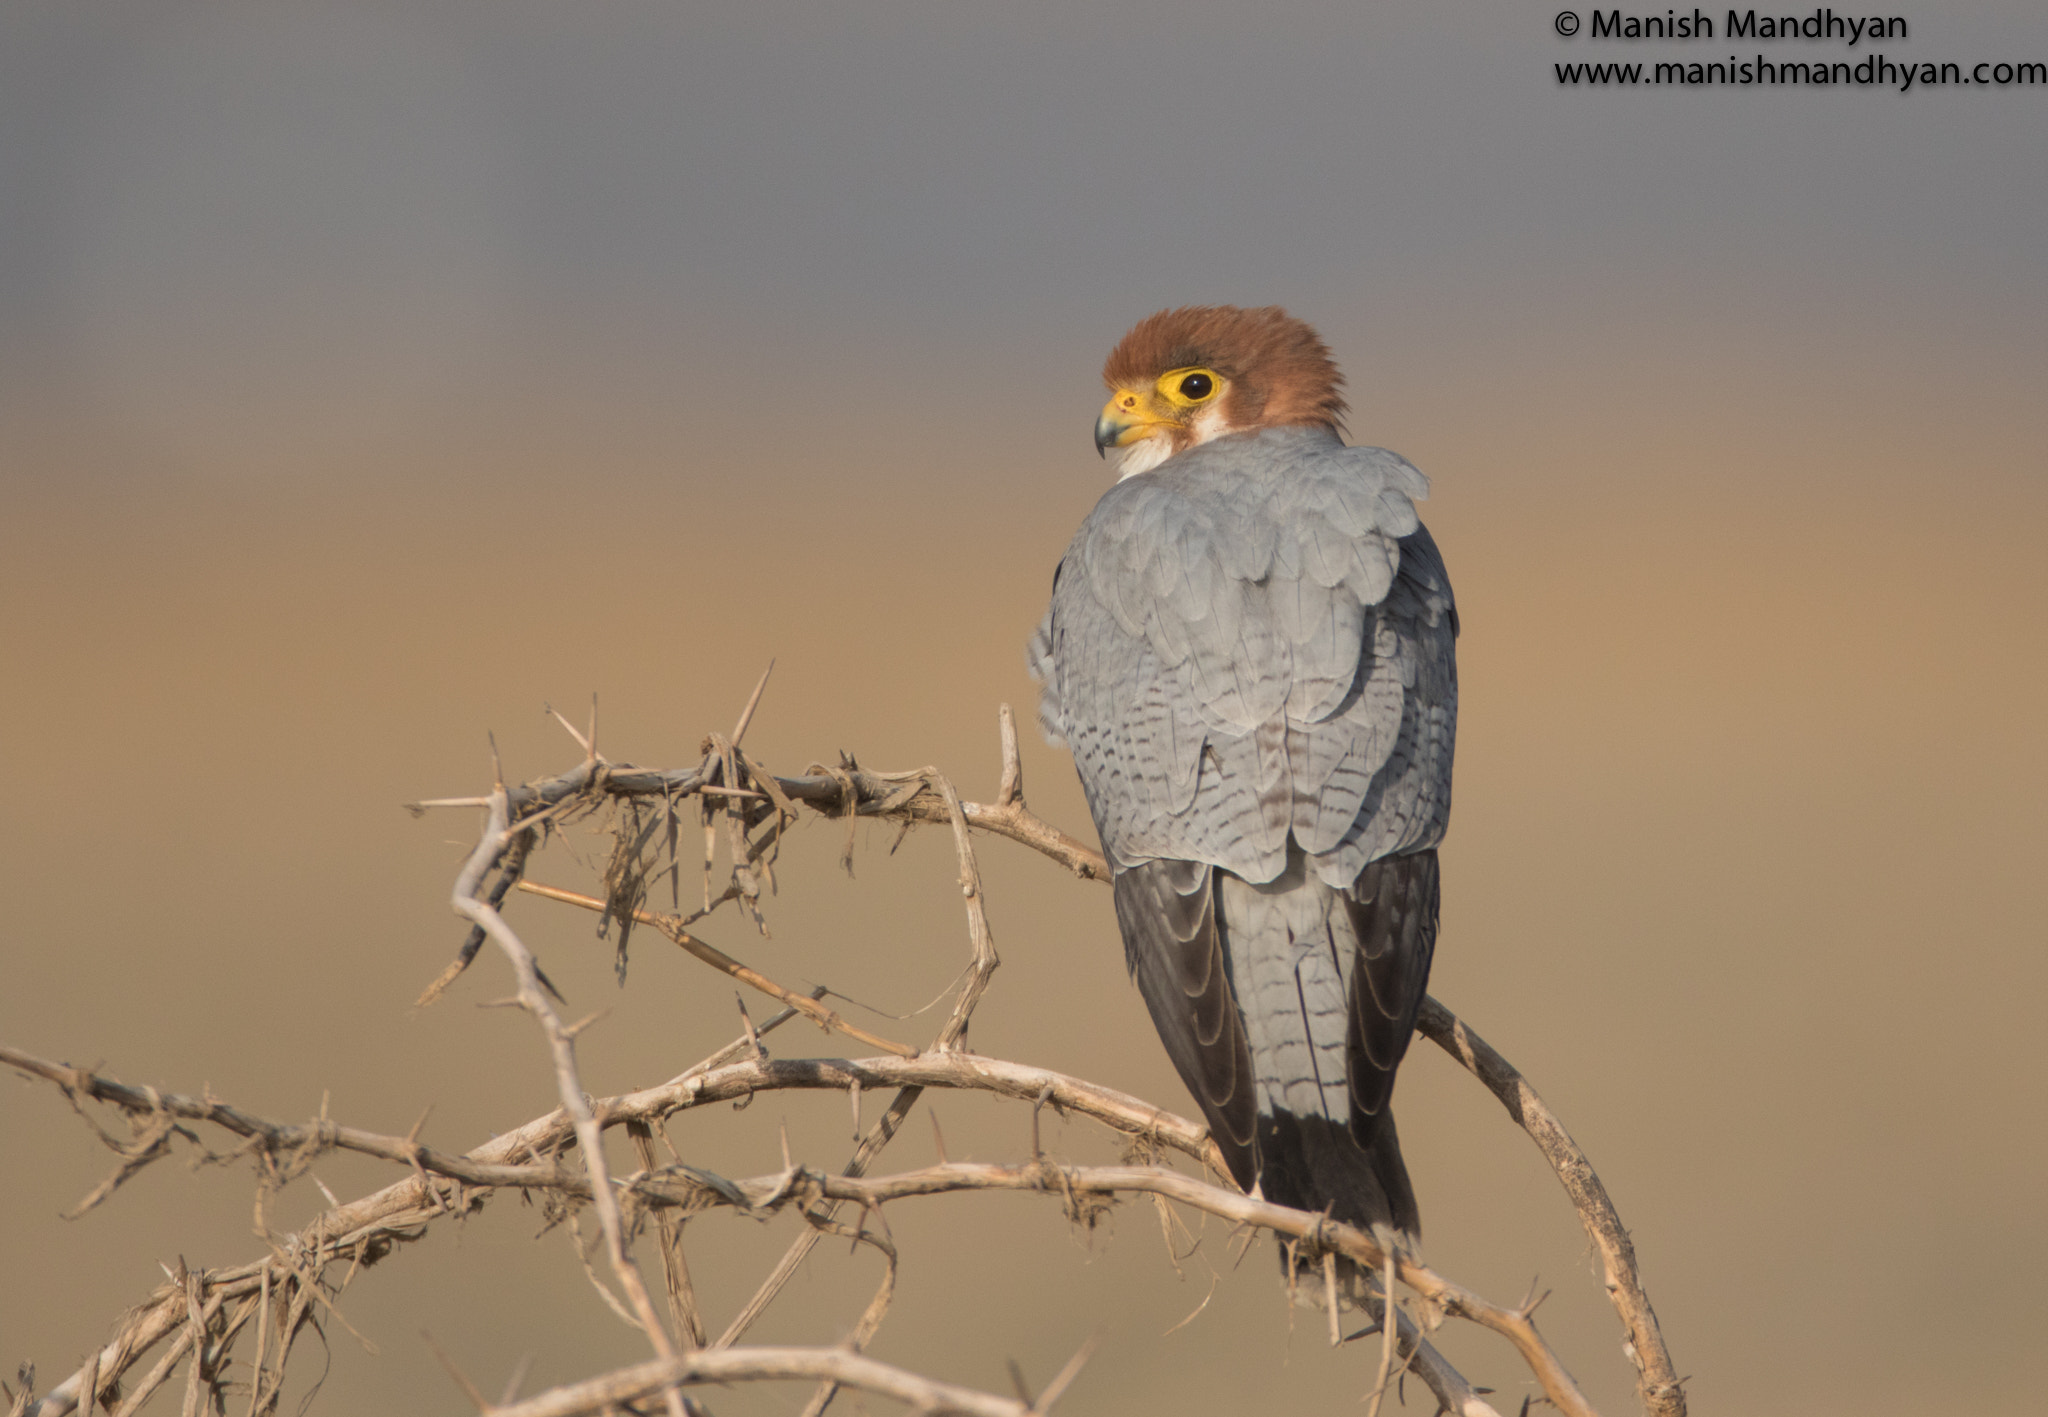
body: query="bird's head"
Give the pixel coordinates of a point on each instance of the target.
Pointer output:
(1183, 377)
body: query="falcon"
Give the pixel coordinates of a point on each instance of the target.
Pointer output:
(1250, 652)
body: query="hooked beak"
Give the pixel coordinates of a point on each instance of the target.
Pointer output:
(1124, 420)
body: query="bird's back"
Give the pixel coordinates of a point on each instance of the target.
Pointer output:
(1252, 646)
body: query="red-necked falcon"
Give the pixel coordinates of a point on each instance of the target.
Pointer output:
(1250, 651)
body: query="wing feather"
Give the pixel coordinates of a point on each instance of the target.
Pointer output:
(1167, 911)
(1252, 641)
(1393, 910)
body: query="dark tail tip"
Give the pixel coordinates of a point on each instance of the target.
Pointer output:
(1310, 1163)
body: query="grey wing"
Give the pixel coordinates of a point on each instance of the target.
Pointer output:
(1408, 705)
(1052, 714)
(1384, 864)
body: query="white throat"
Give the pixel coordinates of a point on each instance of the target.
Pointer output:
(1208, 426)
(1141, 457)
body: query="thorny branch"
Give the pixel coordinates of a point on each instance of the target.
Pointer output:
(360, 1232)
(731, 1076)
(471, 905)
(1657, 1382)
(884, 796)
(754, 807)
(836, 1366)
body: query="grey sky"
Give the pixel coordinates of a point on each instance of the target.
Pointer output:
(327, 207)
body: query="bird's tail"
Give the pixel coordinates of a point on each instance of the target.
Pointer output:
(1328, 983)
(1312, 1164)
(1286, 1007)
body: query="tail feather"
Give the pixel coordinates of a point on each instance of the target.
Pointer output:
(1312, 1163)
(1287, 1006)
(1328, 984)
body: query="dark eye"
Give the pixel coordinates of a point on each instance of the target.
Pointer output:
(1197, 387)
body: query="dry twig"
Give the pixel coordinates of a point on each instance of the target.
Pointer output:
(730, 1365)
(1657, 1381)
(194, 1313)
(739, 1075)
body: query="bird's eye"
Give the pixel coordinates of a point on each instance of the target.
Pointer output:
(1188, 385)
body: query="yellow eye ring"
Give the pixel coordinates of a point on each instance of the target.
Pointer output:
(1185, 388)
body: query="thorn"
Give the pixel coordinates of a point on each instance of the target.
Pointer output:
(513, 1383)
(1044, 1096)
(461, 1379)
(497, 767)
(1066, 1375)
(1390, 1321)
(1010, 790)
(938, 1137)
(882, 1216)
(853, 1094)
(412, 1138)
(548, 984)
(1017, 1381)
(570, 728)
(1330, 1297)
(574, 1030)
(739, 730)
(1249, 1233)
(753, 1037)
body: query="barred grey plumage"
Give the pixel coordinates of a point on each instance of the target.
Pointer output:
(1250, 652)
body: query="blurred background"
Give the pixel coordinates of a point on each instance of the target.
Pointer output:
(373, 375)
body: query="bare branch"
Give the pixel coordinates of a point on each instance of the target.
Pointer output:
(1512, 1324)
(1010, 786)
(742, 1076)
(880, 795)
(196, 1316)
(675, 1266)
(983, 965)
(1657, 1381)
(863, 1156)
(734, 1365)
(672, 926)
(561, 1043)
(364, 1228)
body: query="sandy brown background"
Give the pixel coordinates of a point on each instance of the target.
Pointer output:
(371, 376)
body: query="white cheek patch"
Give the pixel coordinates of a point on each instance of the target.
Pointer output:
(1209, 424)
